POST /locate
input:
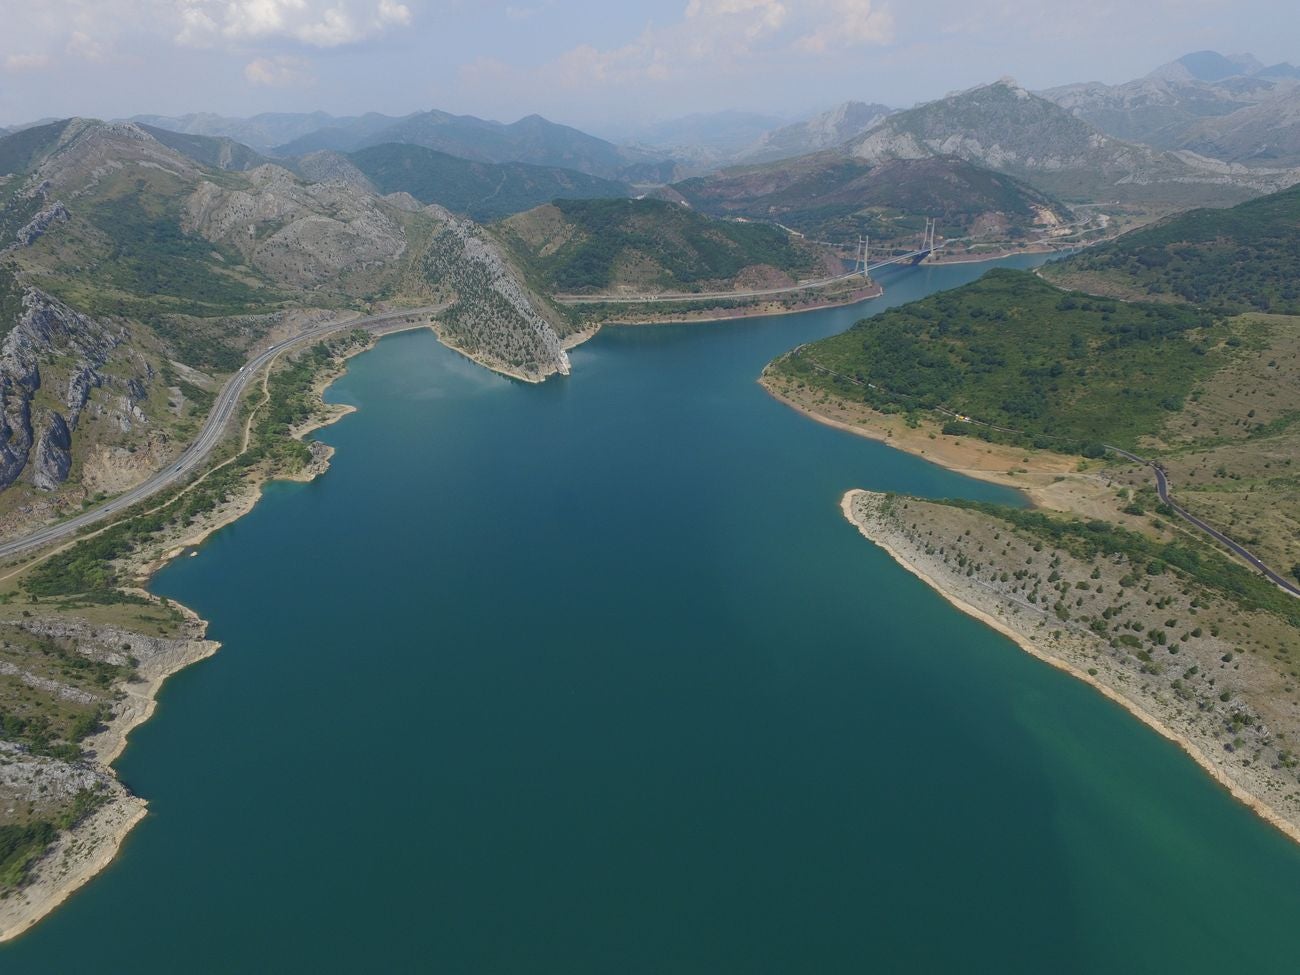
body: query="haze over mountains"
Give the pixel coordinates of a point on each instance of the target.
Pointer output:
(532, 139)
(1229, 108)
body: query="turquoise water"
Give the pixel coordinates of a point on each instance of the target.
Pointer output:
(593, 677)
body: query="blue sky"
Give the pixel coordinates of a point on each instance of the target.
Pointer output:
(603, 66)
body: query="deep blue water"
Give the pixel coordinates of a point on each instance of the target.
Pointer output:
(593, 677)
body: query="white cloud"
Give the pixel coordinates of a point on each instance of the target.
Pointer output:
(851, 23)
(712, 37)
(17, 63)
(279, 72)
(317, 23)
(85, 47)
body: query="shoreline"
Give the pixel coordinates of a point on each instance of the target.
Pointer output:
(98, 838)
(868, 433)
(708, 315)
(1258, 806)
(123, 810)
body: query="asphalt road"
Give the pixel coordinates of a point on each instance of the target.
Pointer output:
(1162, 489)
(222, 410)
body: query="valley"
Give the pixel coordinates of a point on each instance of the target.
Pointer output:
(178, 293)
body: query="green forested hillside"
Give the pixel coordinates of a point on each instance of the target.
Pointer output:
(1246, 257)
(21, 150)
(480, 190)
(589, 246)
(1026, 361)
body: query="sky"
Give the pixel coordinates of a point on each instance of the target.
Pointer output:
(605, 66)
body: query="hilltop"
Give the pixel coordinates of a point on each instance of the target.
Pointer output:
(641, 246)
(481, 190)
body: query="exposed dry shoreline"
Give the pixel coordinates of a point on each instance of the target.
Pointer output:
(1248, 786)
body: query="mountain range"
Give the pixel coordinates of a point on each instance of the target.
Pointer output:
(533, 139)
(1229, 108)
(1008, 129)
(836, 196)
(132, 277)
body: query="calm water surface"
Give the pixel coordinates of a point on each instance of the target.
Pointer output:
(593, 677)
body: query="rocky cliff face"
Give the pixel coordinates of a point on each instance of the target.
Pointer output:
(302, 234)
(154, 266)
(50, 337)
(494, 316)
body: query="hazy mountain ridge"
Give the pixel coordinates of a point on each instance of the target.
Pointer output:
(216, 152)
(826, 130)
(724, 132)
(483, 191)
(532, 140)
(266, 130)
(830, 195)
(1006, 128)
(1228, 108)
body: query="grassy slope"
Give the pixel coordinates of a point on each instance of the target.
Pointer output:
(1063, 370)
(1246, 257)
(480, 190)
(595, 245)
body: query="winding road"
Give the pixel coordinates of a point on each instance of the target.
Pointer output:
(1162, 490)
(197, 452)
(702, 295)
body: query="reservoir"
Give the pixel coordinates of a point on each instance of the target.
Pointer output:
(594, 677)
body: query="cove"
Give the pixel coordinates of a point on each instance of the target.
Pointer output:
(593, 677)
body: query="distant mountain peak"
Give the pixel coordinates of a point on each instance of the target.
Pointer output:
(1208, 66)
(826, 130)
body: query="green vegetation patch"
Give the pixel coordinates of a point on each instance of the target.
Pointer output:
(22, 150)
(22, 845)
(1025, 361)
(1246, 257)
(20, 848)
(151, 255)
(687, 248)
(11, 300)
